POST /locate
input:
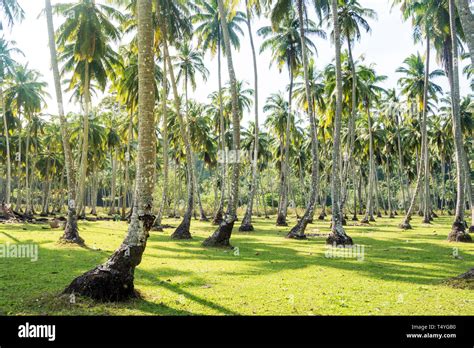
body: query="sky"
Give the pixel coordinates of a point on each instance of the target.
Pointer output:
(389, 43)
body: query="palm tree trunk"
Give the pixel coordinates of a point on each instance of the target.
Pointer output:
(71, 233)
(458, 230)
(19, 166)
(401, 169)
(85, 142)
(369, 212)
(113, 156)
(298, 231)
(338, 236)
(164, 198)
(469, 191)
(113, 280)
(247, 220)
(426, 169)
(218, 216)
(221, 237)
(182, 231)
(127, 166)
(467, 22)
(7, 143)
(27, 171)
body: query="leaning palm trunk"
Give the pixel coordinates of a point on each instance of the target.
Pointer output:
(467, 22)
(221, 237)
(406, 220)
(338, 236)
(182, 231)
(247, 220)
(298, 231)
(71, 233)
(113, 280)
(458, 232)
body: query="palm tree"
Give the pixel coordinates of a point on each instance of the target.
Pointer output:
(338, 236)
(7, 66)
(417, 85)
(467, 21)
(89, 24)
(189, 62)
(113, 280)
(221, 237)
(11, 11)
(287, 46)
(25, 97)
(458, 232)
(210, 35)
(252, 7)
(71, 232)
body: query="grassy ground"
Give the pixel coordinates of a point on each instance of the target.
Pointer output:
(401, 273)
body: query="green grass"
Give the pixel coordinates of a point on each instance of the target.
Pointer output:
(403, 272)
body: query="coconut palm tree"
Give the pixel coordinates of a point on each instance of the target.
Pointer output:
(189, 63)
(71, 232)
(221, 237)
(7, 66)
(114, 280)
(25, 97)
(210, 37)
(11, 11)
(338, 235)
(89, 24)
(418, 87)
(458, 232)
(286, 44)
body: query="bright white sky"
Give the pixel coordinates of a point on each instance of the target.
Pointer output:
(387, 46)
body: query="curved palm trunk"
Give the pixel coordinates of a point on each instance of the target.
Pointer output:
(71, 233)
(247, 220)
(298, 231)
(458, 232)
(113, 280)
(338, 236)
(221, 237)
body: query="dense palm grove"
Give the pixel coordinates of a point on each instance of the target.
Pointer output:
(333, 145)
